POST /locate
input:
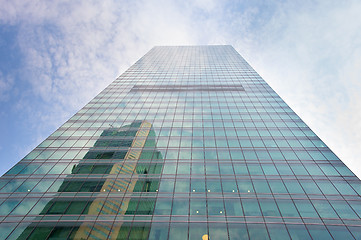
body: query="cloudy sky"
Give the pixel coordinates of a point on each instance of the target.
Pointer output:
(55, 56)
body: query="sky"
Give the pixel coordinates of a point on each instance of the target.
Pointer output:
(55, 56)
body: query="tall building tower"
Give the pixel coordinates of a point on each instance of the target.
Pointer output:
(189, 143)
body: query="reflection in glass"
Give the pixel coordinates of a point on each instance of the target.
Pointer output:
(116, 153)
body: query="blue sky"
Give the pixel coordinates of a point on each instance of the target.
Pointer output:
(55, 56)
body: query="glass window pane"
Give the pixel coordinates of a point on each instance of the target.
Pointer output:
(340, 232)
(319, 232)
(218, 231)
(180, 207)
(198, 206)
(287, 208)
(257, 231)
(324, 209)
(178, 231)
(298, 232)
(237, 231)
(197, 230)
(269, 207)
(305, 208)
(277, 232)
(251, 207)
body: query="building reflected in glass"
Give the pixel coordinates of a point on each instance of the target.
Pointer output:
(189, 143)
(112, 165)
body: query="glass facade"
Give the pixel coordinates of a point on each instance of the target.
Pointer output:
(188, 143)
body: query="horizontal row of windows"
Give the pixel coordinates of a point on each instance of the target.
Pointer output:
(225, 98)
(140, 183)
(286, 123)
(247, 99)
(183, 153)
(243, 134)
(189, 106)
(196, 116)
(208, 168)
(171, 117)
(186, 143)
(182, 231)
(204, 101)
(296, 208)
(157, 108)
(263, 92)
(195, 167)
(180, 110)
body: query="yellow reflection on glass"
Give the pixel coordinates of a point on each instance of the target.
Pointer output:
(205, 237)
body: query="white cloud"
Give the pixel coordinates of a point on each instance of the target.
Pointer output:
(310, 57)
(6, 85)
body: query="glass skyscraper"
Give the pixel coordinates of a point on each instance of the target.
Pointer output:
(188, 143)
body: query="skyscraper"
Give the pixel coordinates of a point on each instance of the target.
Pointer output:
(188, 143)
